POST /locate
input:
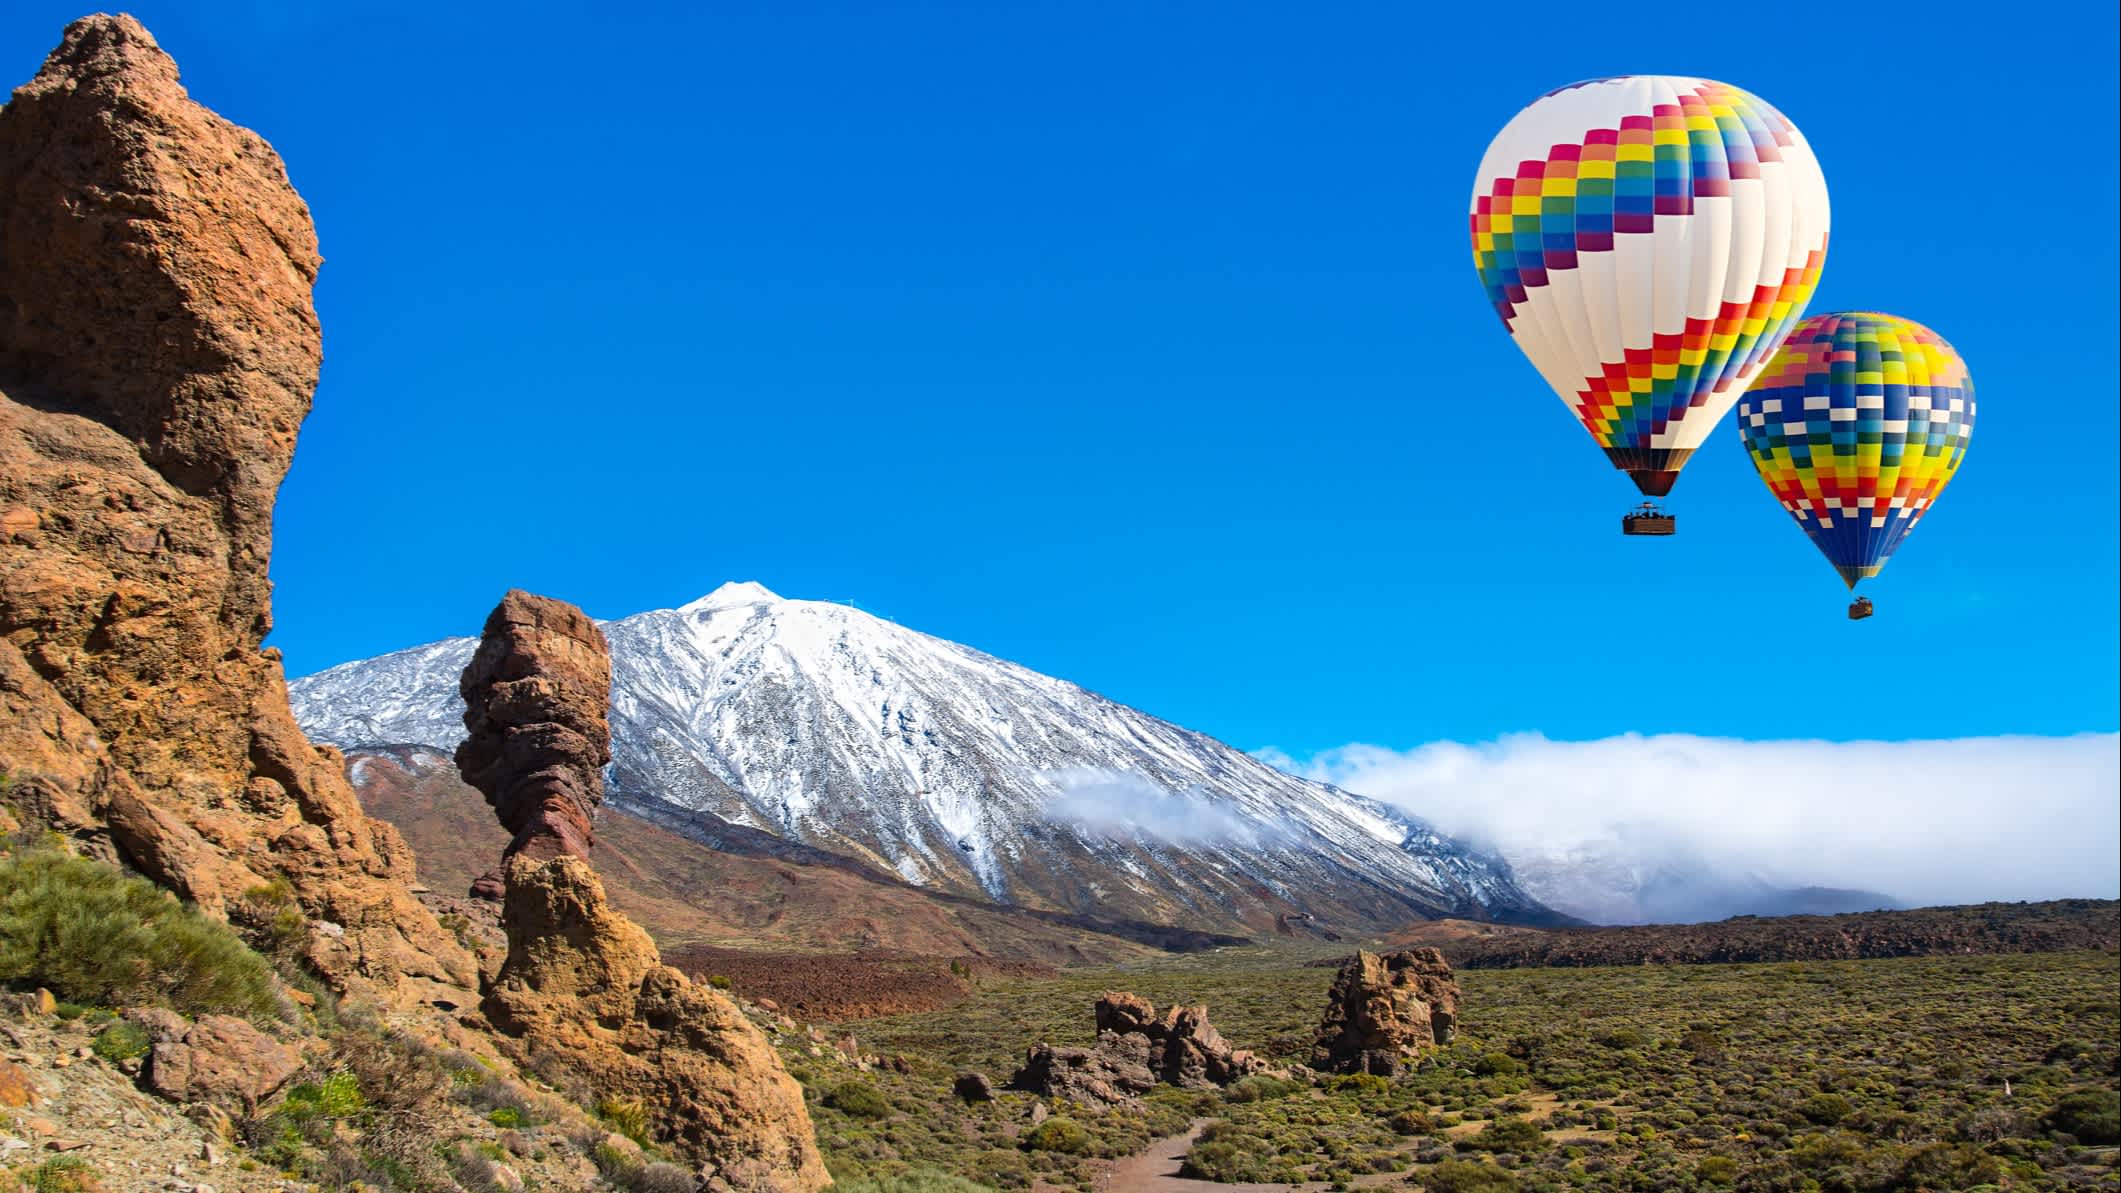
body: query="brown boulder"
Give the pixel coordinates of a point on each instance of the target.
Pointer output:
(536, 696)
(1136, 1050)
(158, 353)
(16, 1089)
(1115, 1071)
(220, 1060)
(1385, 1011)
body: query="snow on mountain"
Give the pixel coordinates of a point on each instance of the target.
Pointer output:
(825, 725)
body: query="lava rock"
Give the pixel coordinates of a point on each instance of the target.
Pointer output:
(1384, 1011)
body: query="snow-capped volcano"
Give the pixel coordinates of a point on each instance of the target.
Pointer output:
(828, 726)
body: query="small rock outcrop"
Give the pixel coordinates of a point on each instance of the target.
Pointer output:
(536, 700)
(1385, 1011)
(582, 986)
(1137, 1049)
(158, 354)
(220, 1060)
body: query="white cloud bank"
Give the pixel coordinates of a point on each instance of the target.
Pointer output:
(1926, 822)
(1127, 806)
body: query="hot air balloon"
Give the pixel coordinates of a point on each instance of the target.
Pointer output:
(1856, 425)
(1648, 241)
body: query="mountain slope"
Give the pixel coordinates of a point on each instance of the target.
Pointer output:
(958, 771)
(742, 894)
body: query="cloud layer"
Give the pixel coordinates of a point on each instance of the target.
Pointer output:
(1129, 807)
(1926, 822)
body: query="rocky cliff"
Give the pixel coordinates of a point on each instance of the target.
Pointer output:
(158, 353)
(583, 987)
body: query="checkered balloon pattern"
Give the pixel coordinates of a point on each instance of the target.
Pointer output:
(1648, 241)
(1856, 425)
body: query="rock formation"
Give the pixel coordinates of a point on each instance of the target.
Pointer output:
(220, 1060)
(1136, 1050)
(1385, 1011)
(158, 353)
(536, 697)
(584, 987)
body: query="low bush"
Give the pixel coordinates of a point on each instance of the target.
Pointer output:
(1411, 1122)
(62, 1174)
(1825, 1109)
(93, 934)
(1259, 1088)
(1515, 1135)
(1466, 1176)
(1497, 1064)
(1057, 1135)
(921, 1181)
(627, 1116)
(859, 1100)
(661, 1176)
(2091, 1116)
(122, 1041)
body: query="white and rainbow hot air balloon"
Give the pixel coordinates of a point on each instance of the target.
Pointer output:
(1649, 241)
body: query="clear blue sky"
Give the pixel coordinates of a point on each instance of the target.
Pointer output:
(1142, 345)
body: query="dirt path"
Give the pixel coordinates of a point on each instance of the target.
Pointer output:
(1155, 1170)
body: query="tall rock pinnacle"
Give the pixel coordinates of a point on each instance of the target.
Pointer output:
(158, 353)
(536, 701)
(582, 986)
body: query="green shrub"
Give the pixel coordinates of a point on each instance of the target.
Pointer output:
(1826, 1109)
(2092, 1116)
(1230, 1161)
(61, 1174)
(859, 1100)
(337, 1096)
(1497, 1064)
(1518, 1135)
(924, 1180)
(619, 1164)
(627, 1116)
(1260, 1087)
(1466, 1176)
(1411, 1122)
(271, 912)
(1358, 1084)
(1717, 1170)
(507, 1117)
(1946, 1166)
(95, 935)
(1057, 1135)
(720, 982)
(122, 1041)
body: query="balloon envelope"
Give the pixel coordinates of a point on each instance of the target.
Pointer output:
(1856, 425)
(1648, 241)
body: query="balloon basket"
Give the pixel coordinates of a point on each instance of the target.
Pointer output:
(1859, 608)
(1648, 519)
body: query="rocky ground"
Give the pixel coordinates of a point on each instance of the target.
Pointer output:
(72, 1115)
(839, 986)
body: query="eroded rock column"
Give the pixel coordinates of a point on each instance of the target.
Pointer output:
(583, 985)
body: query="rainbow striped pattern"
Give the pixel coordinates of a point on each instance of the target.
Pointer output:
(1634, 399)
(1618, 180)
(1856, 425)
(1615, 182)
